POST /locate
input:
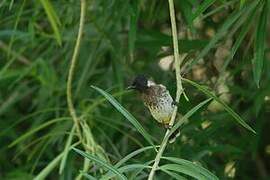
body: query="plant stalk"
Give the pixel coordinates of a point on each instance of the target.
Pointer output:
(178, 92)
(71, 108)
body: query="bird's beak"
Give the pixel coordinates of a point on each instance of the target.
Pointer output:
(130, 87)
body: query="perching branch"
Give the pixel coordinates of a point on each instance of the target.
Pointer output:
(178, 92)
(72, 68)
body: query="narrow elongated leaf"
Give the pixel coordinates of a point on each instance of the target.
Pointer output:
(47, 170)
(242, 3)
(125, 113)
(260, 44)
(126, 168)
(226, 107)
(186, 10)
(187, 115)
(223, 31)
(26, 117)
(88, 176)
(32, 131)
(241, 36)
(132, 27)
(218, 8)
(155, 39)
(101, 163)
(174, 175)
(15, 27)
(53, 19)
(66, 150)
(202, 7)
(183, 169)
(131, 155)
(191, 165)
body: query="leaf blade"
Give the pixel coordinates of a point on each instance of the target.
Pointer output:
(190, 164)
(53, 19)
(260, 45)
(183, 169)
(66, 150)
(100, 162)
(29, 133)
(226, 107)
(222, 32)
(205, 4)
(126, 114)
(187, 115)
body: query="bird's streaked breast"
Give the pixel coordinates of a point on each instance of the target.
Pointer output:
(159, 102)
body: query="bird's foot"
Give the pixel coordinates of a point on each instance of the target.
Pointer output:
(174, 103)
(168, 126)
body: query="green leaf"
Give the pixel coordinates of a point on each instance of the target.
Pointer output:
(155, 39)
(46, 171)
(174, 175)
(27, 117)
(241, 36)
(66, 150)
(131, 155)
(125, 113)
(217, 9)
(32, 131)
(138, 171)
(88, 176)
(226, 107)
(16, 26)
(242, 3)
(187, 115)
(186, 10)
(53, 19)
(223, 31)
(260, 44)
(126, 158)
(127, 168)
(191, 165)
(202, 7)
(183, 169)
(101, 163)
(132, 27)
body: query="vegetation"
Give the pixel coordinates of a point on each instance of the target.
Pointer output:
(65, 112)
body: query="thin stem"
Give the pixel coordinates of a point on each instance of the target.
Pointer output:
(72, 68)
(178, 92)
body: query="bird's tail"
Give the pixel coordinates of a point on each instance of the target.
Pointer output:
(173, 137)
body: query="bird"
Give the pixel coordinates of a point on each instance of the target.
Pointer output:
(157, 99)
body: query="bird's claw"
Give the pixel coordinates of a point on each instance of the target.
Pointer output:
(174, 103)
(168, 126)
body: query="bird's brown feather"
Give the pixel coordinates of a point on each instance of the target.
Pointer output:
(159, 101)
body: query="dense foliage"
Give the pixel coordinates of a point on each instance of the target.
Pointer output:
(227, 47)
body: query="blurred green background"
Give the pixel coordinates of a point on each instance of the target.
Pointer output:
(228, 51)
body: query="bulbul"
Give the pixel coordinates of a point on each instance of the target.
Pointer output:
(158, 100)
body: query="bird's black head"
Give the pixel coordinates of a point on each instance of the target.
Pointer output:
(139, 83)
